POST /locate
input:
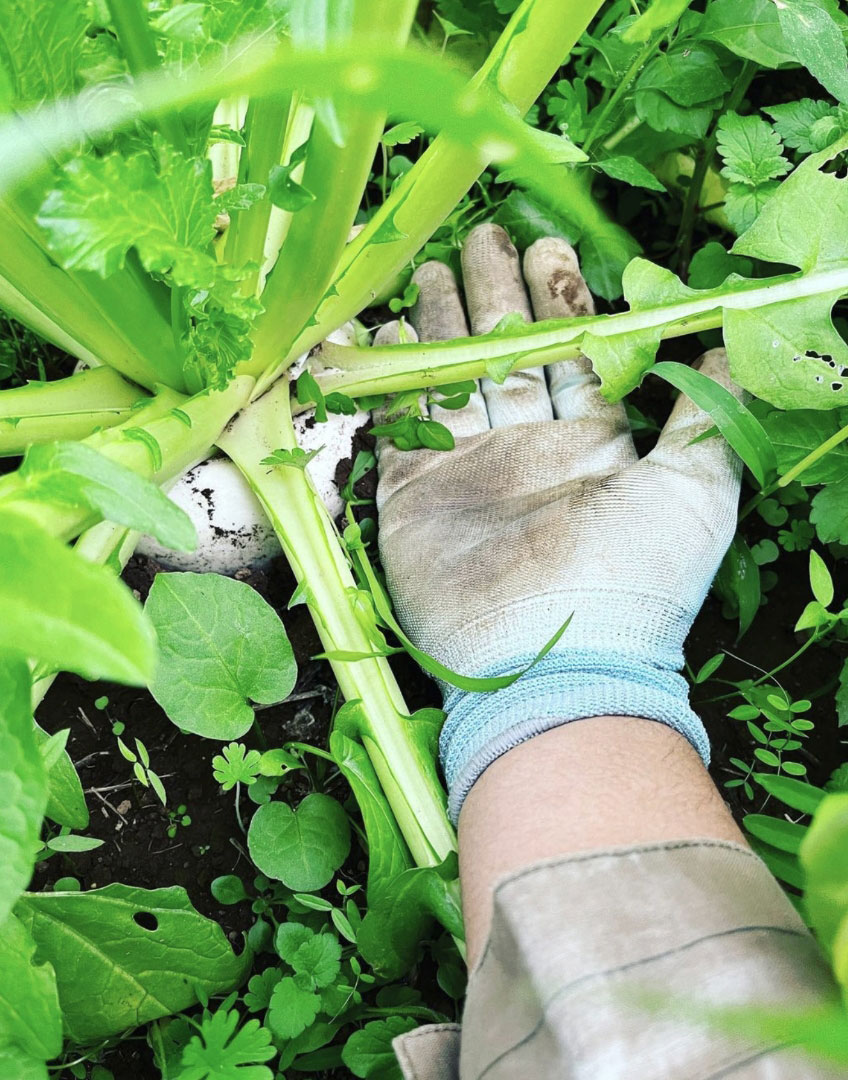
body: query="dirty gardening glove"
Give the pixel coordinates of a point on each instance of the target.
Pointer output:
(543, 511)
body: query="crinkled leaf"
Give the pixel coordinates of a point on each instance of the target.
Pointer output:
(29, 1003)
(806, 125)
(23, 781)
(220, 647)
(751, 150)
(77, 475)
(66, 612)
(125, 955)
(104, 206)
(368, 1052)
(318, 959)
(40, 48)
(743, 203)
(303, 848)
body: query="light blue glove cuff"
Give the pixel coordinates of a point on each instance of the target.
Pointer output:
(567, 685)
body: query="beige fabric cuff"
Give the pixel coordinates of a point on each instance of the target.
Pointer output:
(577, 942)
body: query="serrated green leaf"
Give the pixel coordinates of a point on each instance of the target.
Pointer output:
(318, 959)
(806, 125)
(169, 220)
(751, 150)
(220, 647)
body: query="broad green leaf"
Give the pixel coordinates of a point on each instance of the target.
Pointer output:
(29, 1003)
(664, 115)
(794, 793)
(124, 956)
(65, 799)
(169, 220)
(402, 915)
(17, 1063)
(368, 1052)
(780, 834)
(688, 74)
(23, 781)
(220, 647)
(388, 855)
(748, 28)
(796, 433)
(744, 204)
(292, 1009)
(815, 40)
(737, 424)
(78, 475)
(829, 514)
(318, 960)
(629, 170)
(712, 265)
(303, 847)
(824, 857)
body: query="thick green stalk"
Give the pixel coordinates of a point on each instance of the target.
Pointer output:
(389, 369)
(534, 44)
(160, 441)
(264, 133)
(69, 408)
(319, 563)
(139, 47)
(122, 321)
(336, 176)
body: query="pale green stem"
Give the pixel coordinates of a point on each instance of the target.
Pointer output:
(71, 408)
(175, 434)
(313, 548)
(389, 369)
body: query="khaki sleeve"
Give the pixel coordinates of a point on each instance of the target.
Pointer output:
(578, 945)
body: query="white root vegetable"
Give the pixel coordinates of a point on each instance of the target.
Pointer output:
(233, 532)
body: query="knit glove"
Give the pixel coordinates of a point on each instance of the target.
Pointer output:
(544, 511)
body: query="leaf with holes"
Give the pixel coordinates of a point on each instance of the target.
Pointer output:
(124, 956)
(221, 646)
